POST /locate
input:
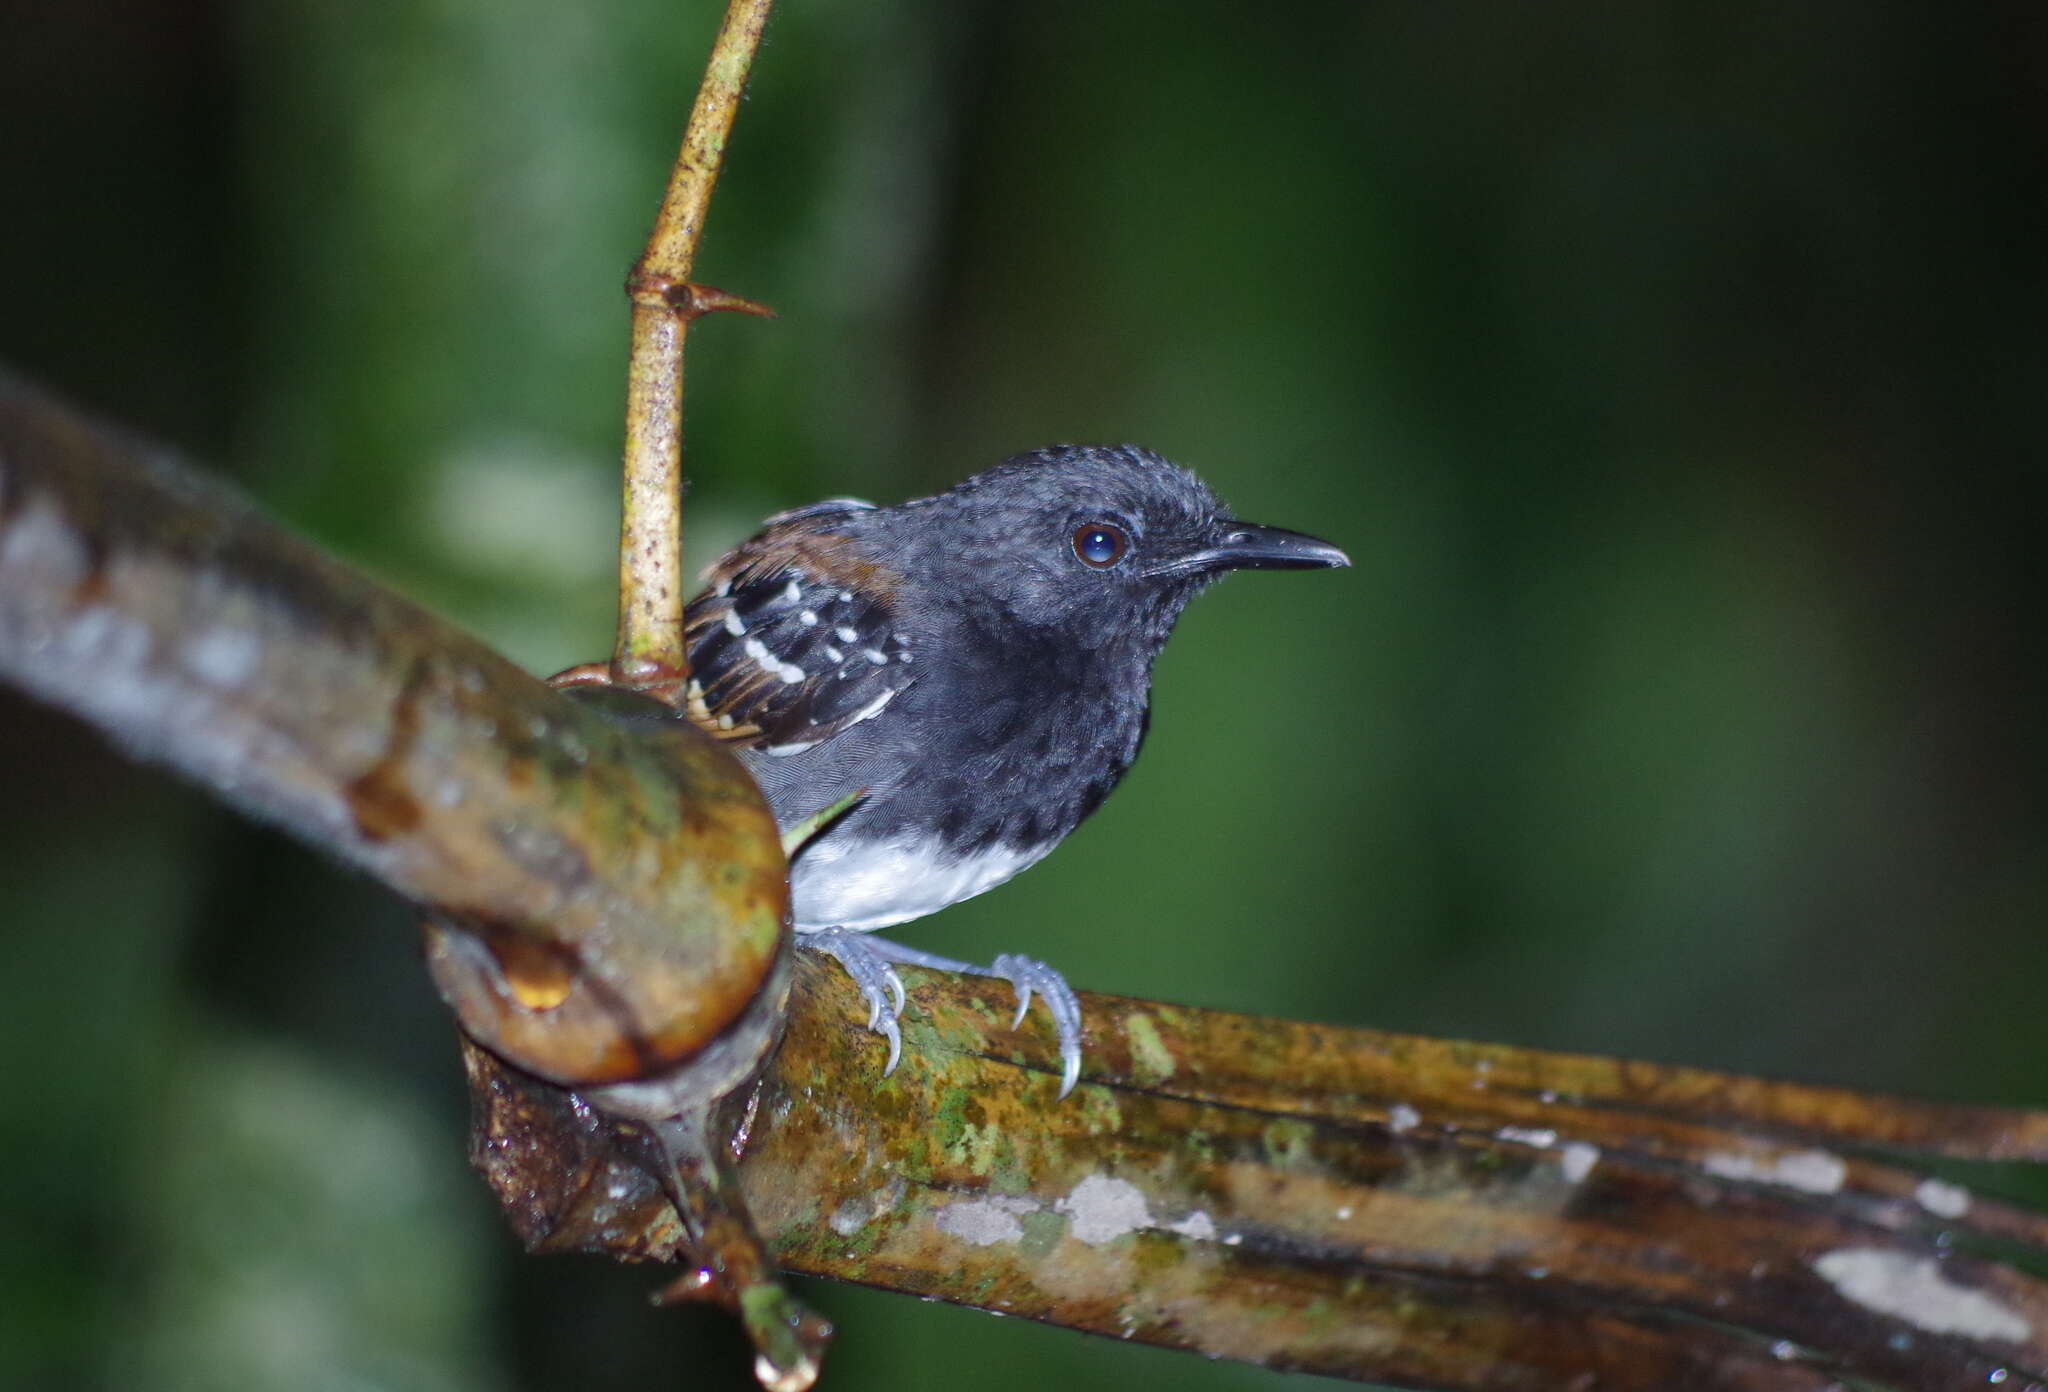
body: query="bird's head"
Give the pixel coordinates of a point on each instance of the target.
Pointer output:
(1099, 542)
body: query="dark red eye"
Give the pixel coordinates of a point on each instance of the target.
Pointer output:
(1100, 544)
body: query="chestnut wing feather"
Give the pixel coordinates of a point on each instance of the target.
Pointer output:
(796, 639)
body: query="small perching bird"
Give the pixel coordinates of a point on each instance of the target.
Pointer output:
(976, 665)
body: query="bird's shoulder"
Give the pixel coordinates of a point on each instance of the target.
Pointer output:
(799, 635)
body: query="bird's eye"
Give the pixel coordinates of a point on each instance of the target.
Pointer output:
(1101, 544)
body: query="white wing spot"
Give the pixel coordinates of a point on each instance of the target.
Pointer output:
(793, 592)
(733, 625)
(846, 634)
(808, 619)
(790, 673)
(833, 654)
(875, 656)
(874, 707)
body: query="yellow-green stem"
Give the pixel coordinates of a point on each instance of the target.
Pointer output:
(649, 652)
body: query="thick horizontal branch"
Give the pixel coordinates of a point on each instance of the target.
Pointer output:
(624, 882)
(1349, 1202)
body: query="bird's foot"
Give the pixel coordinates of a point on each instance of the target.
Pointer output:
(879, 985)
(1026, 975)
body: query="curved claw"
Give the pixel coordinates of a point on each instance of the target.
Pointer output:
(890, 1032)
(871, 972)
(1023, 990)
(1026, 974)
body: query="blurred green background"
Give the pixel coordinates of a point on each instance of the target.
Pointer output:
(1674, 375)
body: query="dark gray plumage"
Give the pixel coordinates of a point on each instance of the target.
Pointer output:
(979, 661)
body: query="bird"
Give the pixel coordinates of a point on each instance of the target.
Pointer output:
(972, 670)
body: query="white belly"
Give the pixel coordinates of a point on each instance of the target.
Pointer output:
(863, 886)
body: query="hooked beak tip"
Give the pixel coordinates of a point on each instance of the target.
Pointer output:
(1247, 546)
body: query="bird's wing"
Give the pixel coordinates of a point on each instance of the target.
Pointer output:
(796, 639)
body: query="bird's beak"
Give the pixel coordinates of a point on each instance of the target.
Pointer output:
(1248, 546)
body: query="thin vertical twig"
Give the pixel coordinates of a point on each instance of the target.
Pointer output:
(649, 653)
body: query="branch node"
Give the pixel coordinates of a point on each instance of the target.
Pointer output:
(687, 299)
